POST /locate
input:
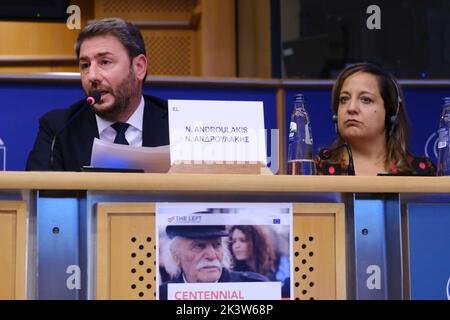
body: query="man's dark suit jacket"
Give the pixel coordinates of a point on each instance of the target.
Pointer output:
(73, 146)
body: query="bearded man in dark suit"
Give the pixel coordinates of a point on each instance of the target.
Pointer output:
(112, 60)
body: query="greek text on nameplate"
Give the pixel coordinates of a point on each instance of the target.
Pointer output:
(207, 132)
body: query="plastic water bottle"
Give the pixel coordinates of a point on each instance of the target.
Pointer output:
(443, 140)
(300, 148)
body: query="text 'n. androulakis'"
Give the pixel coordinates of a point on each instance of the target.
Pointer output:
(219, 134)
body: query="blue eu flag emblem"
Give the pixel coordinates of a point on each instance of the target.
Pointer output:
(276, 221)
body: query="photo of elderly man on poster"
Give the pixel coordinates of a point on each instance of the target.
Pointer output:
(222, 261)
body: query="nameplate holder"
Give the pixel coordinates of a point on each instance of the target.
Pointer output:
(224, 137)
(258, 168)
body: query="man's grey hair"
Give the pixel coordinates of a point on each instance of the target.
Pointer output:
(172, 248)
(127, 33)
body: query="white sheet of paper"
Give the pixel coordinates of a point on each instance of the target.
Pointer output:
(112, 155)
(216, 131)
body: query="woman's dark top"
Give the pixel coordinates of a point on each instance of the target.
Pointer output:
(420, 166)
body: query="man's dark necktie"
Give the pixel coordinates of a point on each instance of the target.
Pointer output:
(120, 127)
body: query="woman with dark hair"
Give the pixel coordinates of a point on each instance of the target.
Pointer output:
(252, 250)
(370, 116)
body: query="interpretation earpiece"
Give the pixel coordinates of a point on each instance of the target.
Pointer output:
(335, 121)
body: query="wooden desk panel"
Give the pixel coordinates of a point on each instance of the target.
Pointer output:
(13, 226)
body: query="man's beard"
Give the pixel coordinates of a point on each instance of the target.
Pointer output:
(123, 94)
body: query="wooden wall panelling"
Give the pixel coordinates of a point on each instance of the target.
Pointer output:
(13, 228)
(171, 52)
(255, 52)
(281, 126)
(169, 37)
(177, 45)
(319, 251)
(145, 10)
(218, 38)
(126, 251)
(25, 42)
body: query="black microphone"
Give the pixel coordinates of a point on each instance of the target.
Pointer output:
(326, 154)
(93, 98)
(90, 100)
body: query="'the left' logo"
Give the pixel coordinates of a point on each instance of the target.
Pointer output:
(2, 155)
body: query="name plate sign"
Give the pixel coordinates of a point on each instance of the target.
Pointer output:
(216, 132)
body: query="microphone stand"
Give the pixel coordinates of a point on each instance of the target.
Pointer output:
(90, 100)
(325, 154)
(351, 165)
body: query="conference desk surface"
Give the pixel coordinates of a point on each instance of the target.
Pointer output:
(361, 222)
(220, 182)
